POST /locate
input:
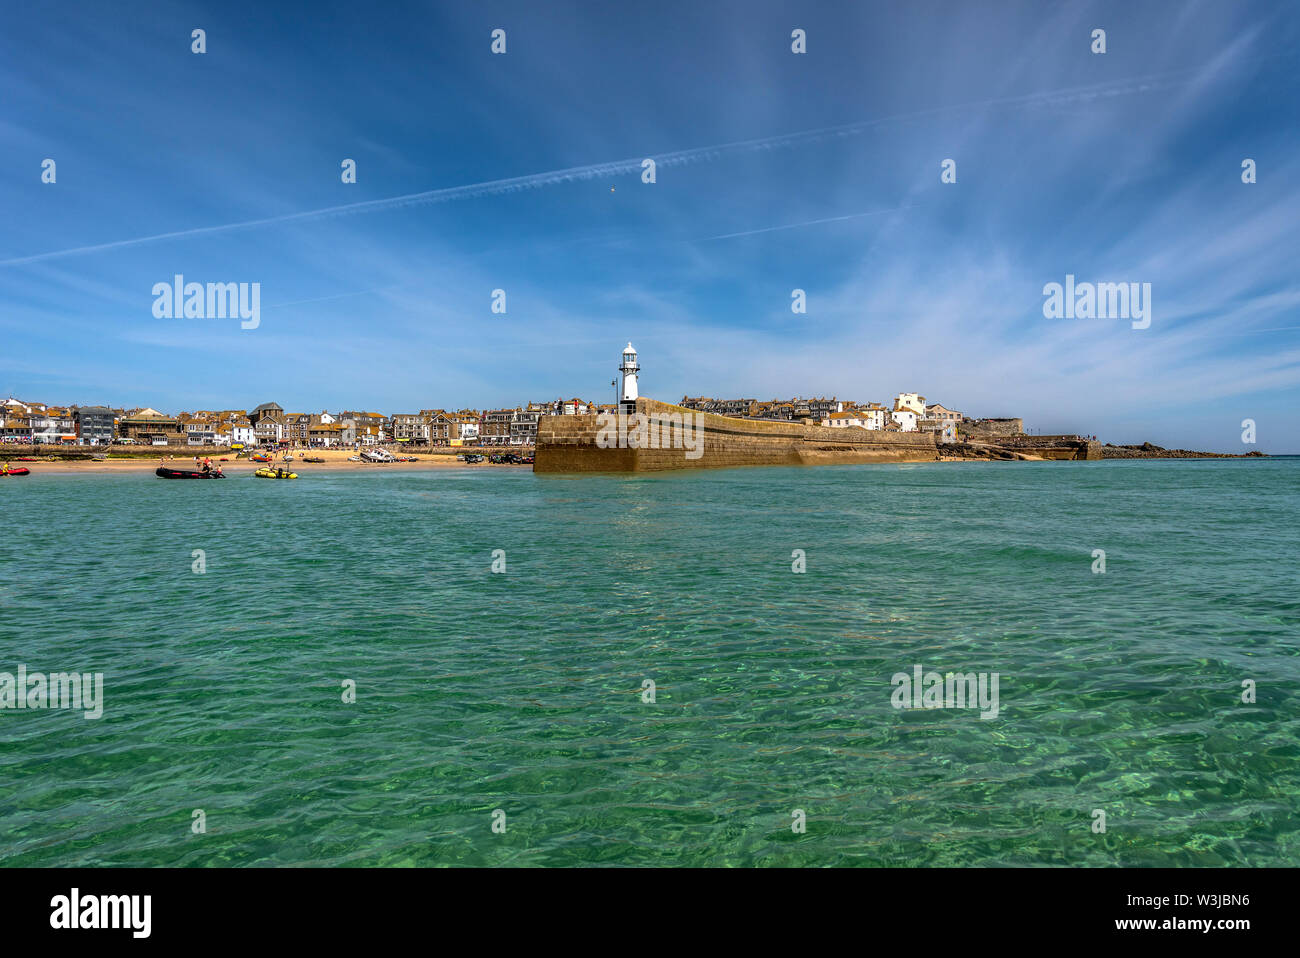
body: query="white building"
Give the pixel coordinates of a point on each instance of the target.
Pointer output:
(875, 414)
(906, 418)
(201, 433)
(871, 416)
(842, 420)
(52, 427)
(912, 401)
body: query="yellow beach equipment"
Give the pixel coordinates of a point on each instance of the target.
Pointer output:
(265, 473)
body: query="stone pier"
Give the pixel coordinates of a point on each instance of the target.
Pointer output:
(569, 444)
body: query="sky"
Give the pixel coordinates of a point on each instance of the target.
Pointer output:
(774, 171)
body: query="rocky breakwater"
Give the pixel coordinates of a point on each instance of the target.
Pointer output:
(1150, 451)
(657, 436)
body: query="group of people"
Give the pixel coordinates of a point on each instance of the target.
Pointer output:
(205, 466)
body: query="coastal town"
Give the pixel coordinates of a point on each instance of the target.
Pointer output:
(268, 424)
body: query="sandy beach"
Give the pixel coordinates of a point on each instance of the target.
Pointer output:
(335, 460)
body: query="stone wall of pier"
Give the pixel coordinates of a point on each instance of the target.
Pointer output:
(569, 444)
(1054, 447)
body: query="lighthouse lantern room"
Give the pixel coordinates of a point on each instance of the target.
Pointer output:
(629, 369)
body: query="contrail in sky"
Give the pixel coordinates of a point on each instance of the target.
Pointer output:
(791, 226)
(573, 174)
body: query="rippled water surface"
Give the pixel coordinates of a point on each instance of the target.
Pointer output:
(523, 691)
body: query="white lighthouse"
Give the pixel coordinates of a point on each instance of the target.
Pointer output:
(629, 369)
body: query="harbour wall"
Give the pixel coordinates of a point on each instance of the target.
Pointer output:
(569, 444)
(1054, 447)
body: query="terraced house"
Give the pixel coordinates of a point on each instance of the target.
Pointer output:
(241, 431)
(14, 428)
(53, 425)
(850, 418)
(736, 408)
(297, 426)
(938, 411)
(411, 427)
(201, 432)
(16, 420)
(495, 427)
(464, 426)
(442, 428)
(365, 428)
(269, 428)
(324, 434)
(523, 428)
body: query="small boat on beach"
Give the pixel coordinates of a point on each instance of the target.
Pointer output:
(260, 457)
(165, 473)
(312, 459)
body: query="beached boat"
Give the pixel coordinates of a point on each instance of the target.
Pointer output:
(312, 459)
(265, 473)
(6, 471)
(260, 457)
(165, 473)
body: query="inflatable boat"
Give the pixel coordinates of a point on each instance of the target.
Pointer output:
(265, 473)
(166, 473)
(15, 472)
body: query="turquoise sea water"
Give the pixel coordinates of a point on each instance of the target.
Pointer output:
(522, 691)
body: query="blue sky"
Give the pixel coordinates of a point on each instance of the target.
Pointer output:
(777, 171)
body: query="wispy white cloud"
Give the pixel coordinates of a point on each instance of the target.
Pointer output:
(624, 167)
